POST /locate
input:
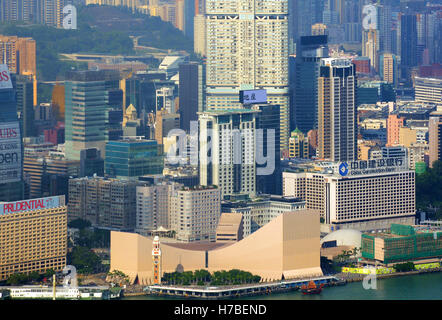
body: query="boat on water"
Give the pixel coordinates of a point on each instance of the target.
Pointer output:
(312, 288)
(63, 293)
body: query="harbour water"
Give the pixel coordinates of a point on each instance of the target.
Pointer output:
(414, 287)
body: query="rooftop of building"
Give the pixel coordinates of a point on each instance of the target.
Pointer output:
(227, 111)
(402, 231)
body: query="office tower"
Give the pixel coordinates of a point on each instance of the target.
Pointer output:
(11, 159)
(337, 129)
(58, 102)
(408, 38)
(24, 88)
(164, 123)
(133, 157)
(180, 14)
(153, 207)
(362, 195)
(388, 68)
(428, 90)
(191, 93)
(91, 163)
(248, 48)
(140, 90)
(106, 203)
(87, 110)
(33, 236)
(303, 15)
(268, 126)
(227, 150)
(385, 25)
(310, 51)
(166, 99)
(435, 137)
(370, 47)
(299, 146)
(195, 213)
(18, 54)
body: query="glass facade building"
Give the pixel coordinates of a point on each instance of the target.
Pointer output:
(132, 158)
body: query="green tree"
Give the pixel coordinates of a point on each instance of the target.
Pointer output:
(84, 260)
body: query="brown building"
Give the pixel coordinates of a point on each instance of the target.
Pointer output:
(19, 54)
(435, 137)
(393, 125)
(33, 236)
(230, 227)
(288, 246)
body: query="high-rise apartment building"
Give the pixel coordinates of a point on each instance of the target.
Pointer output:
(33, 236)
(106, 203)
(388, 68)
(337, 123)
(227, 150)
(248, 48)
(19, 54)
(310, 51)
(394, 123)
(195, 213)
(435, 136)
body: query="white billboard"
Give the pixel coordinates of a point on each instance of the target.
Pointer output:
(5, 77)
(253, 96)
(10, 152)
(370, 17)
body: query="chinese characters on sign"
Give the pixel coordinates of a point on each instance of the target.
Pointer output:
(370, 166)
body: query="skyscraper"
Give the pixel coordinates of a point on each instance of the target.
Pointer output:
(227, 150)
(11, 153)
(247, 48)
(337, 122)
(435, 136)
(88, 100)
(24, 87)
(310, 51)
(408, 45)
(190, 93)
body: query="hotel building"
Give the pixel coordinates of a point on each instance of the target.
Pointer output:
(428, 90)
(363, 195)
(248, 48)
(33, 236)
(195, 213)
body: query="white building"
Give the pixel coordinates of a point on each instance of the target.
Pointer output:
(195, 213)
(227, 150)
(362, 195)
(258, 212)
(247, 47)
(153, 207)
